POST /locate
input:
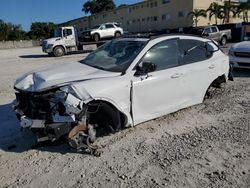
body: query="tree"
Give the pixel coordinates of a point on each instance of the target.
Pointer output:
(9, 31)
(196, 13)
(214, 10)
(244, 7)
(97, 6)
(42, 30)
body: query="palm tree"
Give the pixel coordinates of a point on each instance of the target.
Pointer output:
(245, 7)
(196, 13)
(214, 10)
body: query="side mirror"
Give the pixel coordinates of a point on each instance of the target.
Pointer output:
(205, 34)
(145, 68)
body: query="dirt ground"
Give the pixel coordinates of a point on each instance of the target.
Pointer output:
(207, 145)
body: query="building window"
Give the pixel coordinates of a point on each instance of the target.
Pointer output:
(182, 14)
(165, 1)
(155, 18)
(143, 19)
(166, 16)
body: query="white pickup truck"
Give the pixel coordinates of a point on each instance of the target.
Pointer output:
(66, 39)
(213, 33)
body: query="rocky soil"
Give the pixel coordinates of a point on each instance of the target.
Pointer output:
(207, 145)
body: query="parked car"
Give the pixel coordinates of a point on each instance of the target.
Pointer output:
(106, 30)
(123, 83)
(239, 54)
(213, 33)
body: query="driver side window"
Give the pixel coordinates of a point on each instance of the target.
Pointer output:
(164, 55)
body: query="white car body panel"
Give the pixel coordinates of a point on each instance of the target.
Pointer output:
(59, 75)
(148, 97)
(237, 61)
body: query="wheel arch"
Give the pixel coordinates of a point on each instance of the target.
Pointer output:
(125, 116)
(215, 83)
(61, 45)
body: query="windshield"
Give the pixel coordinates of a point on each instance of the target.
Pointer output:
(114, 56)
(58, 32)
(95, 27)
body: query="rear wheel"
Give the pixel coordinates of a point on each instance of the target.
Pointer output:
(58, 51)
(117, 34)
(96, 37)
(223, 40)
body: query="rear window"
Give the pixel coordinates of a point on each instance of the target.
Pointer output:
(118, 25)
(193, 51)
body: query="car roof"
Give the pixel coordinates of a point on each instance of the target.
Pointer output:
(165, 37)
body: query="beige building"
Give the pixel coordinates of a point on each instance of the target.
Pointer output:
(150, 15)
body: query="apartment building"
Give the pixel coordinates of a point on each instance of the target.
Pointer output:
(149, 15)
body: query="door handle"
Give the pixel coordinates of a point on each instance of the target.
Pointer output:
(177, 75)
(211, 66)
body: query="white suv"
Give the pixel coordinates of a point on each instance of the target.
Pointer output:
(107, 30)
(123, 83)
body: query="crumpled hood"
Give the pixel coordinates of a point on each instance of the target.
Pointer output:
(242, 47)
(59, 75)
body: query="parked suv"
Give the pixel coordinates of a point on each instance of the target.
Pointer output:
(106, 30)
(123, 83)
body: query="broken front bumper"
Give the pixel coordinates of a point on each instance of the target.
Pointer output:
(49, 115)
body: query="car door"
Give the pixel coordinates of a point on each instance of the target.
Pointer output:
(215, 34)
(199, 69)
(110, 29)
(69, 37)
(160, 92)
(102, 31)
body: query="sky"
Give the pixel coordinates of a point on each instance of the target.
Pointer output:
(25, 12)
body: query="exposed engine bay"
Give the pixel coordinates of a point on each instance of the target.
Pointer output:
(58, 113)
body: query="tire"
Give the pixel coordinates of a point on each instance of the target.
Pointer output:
(96, 37)
(117, 34)
(58, 51)
(223, 40)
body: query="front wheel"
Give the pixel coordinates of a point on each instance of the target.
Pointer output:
(96, 37)
(58, 51)
(223, 41)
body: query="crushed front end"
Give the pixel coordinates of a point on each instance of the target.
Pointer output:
(54, 114)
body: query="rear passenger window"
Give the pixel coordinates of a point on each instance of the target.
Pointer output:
(192, 51)
(164, 55)
(108, 26)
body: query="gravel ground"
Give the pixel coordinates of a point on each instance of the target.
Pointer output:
(206, 145)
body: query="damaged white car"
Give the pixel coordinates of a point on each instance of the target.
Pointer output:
(123, 83)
